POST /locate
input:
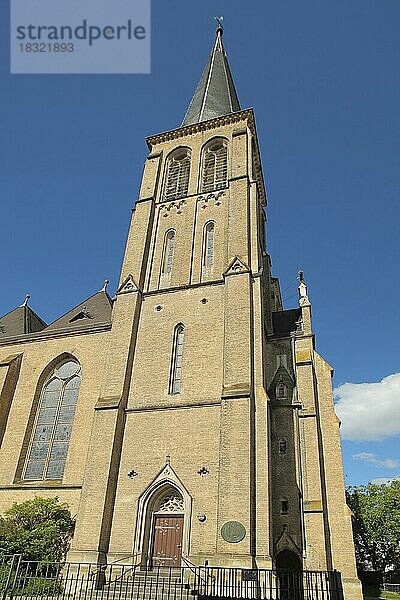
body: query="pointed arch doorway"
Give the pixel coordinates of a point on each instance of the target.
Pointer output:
(289, 571)
(163, 521)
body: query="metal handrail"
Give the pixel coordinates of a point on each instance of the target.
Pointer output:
(194, 569)
(103, 568)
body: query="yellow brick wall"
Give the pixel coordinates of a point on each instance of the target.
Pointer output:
(36, 356)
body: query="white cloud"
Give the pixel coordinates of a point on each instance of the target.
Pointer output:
(381, 480)
(369, 411)
(368, 457)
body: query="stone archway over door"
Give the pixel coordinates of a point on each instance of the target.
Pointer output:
(166, 497)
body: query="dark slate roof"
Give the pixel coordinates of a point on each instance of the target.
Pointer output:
(215, 95)
(20, 321)
(95, 310)
(284, 321)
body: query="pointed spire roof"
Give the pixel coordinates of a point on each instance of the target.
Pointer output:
(215, 95)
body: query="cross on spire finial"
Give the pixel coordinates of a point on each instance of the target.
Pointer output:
(220, 28)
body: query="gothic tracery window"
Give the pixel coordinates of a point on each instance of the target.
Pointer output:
(215, 166)
(48, 446)
(172, 502)
(177, 174)
(177, 354)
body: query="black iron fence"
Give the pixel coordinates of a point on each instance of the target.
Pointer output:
(84, 581)
(266, 584)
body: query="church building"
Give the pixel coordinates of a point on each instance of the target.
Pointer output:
(189, 417)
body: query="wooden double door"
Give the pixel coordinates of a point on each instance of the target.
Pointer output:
(167, 540)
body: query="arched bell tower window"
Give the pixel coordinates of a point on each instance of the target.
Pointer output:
(208, 249)
(215, 165)
(168, 255)
(177, 174)
(48, 446)
(176, 364)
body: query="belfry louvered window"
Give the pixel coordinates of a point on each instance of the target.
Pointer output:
(169, 246)
(177, 174)
(208, 251)
(177, 354)
(48, 447)
(215, 166)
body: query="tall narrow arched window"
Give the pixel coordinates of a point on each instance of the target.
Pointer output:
(208, 250)
(177, 354)
(177, 174)
(169, 245)
(48, 448)
(282, 446)
(281, 390)
(284, 506)
(215, 166)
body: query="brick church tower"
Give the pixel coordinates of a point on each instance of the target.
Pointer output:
(204, 428)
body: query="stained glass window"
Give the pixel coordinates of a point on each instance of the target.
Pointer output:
(52, 430)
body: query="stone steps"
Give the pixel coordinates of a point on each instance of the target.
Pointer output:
(147, 586)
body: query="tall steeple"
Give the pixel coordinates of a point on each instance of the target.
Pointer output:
(215, 95)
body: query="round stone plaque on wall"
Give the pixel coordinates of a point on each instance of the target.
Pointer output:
(233, 532)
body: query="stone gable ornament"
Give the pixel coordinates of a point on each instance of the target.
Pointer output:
(303, 297)
(236, 266)
(127, 286)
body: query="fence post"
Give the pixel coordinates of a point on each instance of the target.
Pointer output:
(12, 576)
(336, 588)
(100, 577)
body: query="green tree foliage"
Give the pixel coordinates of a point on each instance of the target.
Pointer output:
(376, 525)
(39, 529)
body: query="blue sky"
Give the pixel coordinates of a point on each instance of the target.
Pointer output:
(324, 81)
